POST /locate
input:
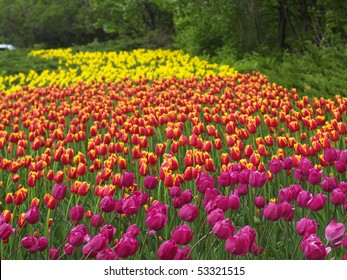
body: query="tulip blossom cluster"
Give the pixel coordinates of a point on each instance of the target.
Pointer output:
(158, 155)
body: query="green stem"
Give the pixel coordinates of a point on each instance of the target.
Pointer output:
(197, 243)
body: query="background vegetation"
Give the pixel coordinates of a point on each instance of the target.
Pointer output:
(297, 43)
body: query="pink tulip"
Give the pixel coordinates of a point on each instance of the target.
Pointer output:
(313, 248)
(242, 189)
(42, 243)
(257, 179)
(343, 187)
(98, 243)
(127, 179)
(244, 176)
(344, 241)
(203, 182)
(54, 253)
(182, 235)
(306, 226)
(97, 220)
(69, 250)
(88, 252)
(133, 230)
(150, 182)
(223, 229)
(314, 176)
(156, 217)
(127, 247)
(210, 194)
(32, 216)
(5, 231)
(108, 231)
(272, 211)
(343, 156)
(76, 213)
(234, 201)
(188, 212)
(288, 163)
(130, 206)
(259, 201)
(107, 204)
(233, 177)
(106, 254)
(214, 216)
(275, 166)
(329, 184)
(31, 243)
(337, 197)
(187, 196)
(340, 166)
(224, 179)
(182, 254)
(59, 191)
(330, 155)
(317, 202)
(167, 250)
(304, 166)
(303, 198)
(287, 211)
(175, 191)
(334, 233)
(285, 194)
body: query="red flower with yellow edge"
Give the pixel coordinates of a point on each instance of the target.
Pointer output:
(218, 144)
(188, 173)
(35, 203)
(7, 216)
(235, 153)
(83, 189)
(209, 165)
(20, 196)
(122, 163)
(21, 220)
(225, 158)
(50, 201)
(248, 151)
(8, 198)
(59, 177)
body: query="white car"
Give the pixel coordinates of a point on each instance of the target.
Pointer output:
(6, 47)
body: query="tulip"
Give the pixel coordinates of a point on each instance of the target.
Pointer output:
(306, 226)
(42, 243)
(133, 230)
(234, 201)
(317, 202)
(150, 182)
(69, 250)
(287, 211)
(187, 196)
(76, 213)
(314, 176)
(175, 191)
(59, 191)
(224, 179)
(126, 247)
(214, 216)
(130, 206)
(54, 253)
(106, 254)
(108, 231)
(32, 216)
(167, 250)
(344, 241)
(304, 166)
(303, 198)
(287, 163)
(30, 243)
(337, 197)
(334, 233)
(244, 176)
(156, 217)
(5, 231)
(343, 187)
(275, 166)
(259, 201)
(182, 235)
(127, 179)
(97, 220)
(340, 166)
(257, 179)
(98, 243)
(330, 155)
(329, 184)
(272, 211)
(188, 212)
(107, 204)
(223, 229)
(242, 189)
(204, 181)
(313, 248)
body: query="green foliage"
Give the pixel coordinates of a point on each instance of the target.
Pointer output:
(18, 61)
(318, 71)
